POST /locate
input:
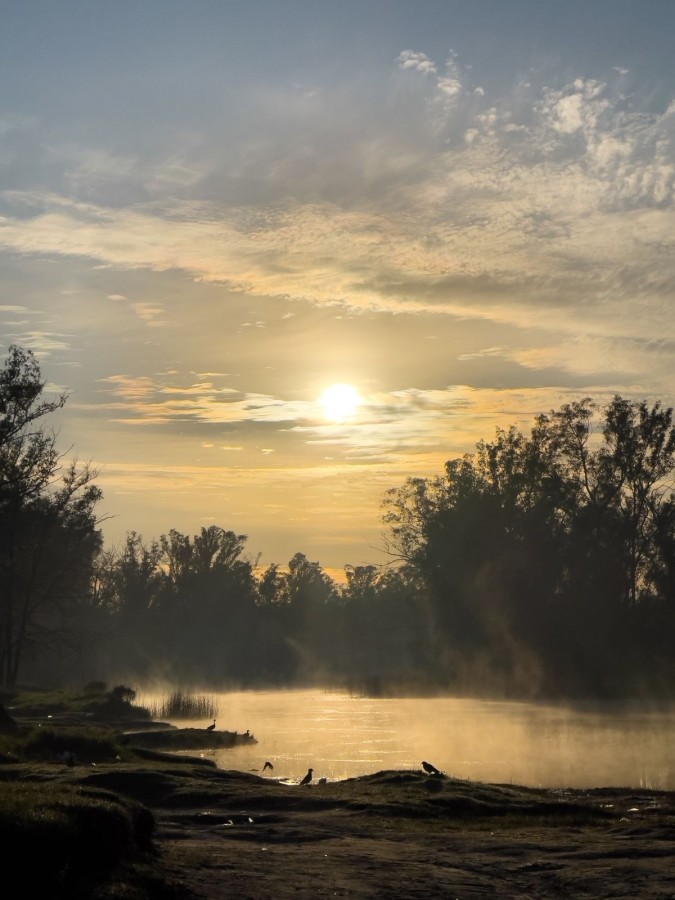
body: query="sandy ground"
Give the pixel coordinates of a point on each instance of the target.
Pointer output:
(400, 835)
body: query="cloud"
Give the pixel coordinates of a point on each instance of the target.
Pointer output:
(43, 344)
(482, 354)
(416, 61)
(518, 209)
(149, 313)
(150, 402)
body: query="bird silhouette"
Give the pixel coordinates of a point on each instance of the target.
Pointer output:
(308, 777)
(268, 765)
(211, 727)
(429, 768)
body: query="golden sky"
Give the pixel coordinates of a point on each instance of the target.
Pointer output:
(211, 213)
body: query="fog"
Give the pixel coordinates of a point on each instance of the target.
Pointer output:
(341, 736)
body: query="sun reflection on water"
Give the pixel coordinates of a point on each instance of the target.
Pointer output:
(343, 736)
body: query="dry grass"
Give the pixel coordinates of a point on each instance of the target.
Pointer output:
(184, 706)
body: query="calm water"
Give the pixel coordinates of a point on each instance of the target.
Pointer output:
(340, 736)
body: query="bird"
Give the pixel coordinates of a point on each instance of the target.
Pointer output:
(308, 777)
(429, 768)
(212, 726)
(268, 765)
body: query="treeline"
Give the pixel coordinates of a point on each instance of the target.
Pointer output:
(538, 566)
(197, 611)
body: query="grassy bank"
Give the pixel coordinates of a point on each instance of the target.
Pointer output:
(87, 813)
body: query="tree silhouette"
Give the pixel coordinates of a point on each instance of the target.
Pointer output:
(48, 529)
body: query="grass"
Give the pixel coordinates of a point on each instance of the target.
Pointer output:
(69, 839)
(71, 834)
(184, 706)
(61, 744)
(65, 838)
(94, 701)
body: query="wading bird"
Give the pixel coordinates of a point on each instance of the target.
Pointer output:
(268, 765)
(308, 777)
(429, 769)
(211, 727)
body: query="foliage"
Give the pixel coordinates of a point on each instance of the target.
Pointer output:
(547, 558)
(48, 533)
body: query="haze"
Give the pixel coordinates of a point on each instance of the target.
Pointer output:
(212, 212)
(344, 736)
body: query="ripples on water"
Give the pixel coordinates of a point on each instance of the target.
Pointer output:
(342, 736)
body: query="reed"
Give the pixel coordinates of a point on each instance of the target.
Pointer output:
(185, 706)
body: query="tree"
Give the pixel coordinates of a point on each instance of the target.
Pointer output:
(640, 454)
(207, 604)
(549, 548)
(48, 529)
(385, 639)
(313, 606)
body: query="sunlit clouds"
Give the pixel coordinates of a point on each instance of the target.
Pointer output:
(471, 223)
(550, 200)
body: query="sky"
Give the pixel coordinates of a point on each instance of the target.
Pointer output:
(211, 212)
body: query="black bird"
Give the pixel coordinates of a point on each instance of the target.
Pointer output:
(211, 727)
(268, 765)
(308, 777)
(429, 769)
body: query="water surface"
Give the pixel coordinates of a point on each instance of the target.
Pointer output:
(340, 735)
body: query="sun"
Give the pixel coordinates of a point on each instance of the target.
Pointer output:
(340, 402)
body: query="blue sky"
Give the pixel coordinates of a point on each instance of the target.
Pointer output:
(210, 212)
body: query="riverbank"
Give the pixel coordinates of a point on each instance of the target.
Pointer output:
(196, 831)
(399, 834)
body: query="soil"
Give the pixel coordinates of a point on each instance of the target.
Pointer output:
(226, 834)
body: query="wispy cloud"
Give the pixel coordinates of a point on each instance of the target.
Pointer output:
(564, 200)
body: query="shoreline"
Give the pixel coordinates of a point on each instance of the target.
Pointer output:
(399, 834)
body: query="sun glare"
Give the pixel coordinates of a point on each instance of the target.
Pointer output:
(340, 402)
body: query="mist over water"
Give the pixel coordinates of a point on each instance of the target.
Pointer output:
(342, 736)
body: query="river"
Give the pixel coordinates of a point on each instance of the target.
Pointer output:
(341, 735)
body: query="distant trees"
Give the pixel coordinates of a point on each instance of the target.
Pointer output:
(540, 564)
(181, 604)
(206, 603)
(384, 627)
(48, 528)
